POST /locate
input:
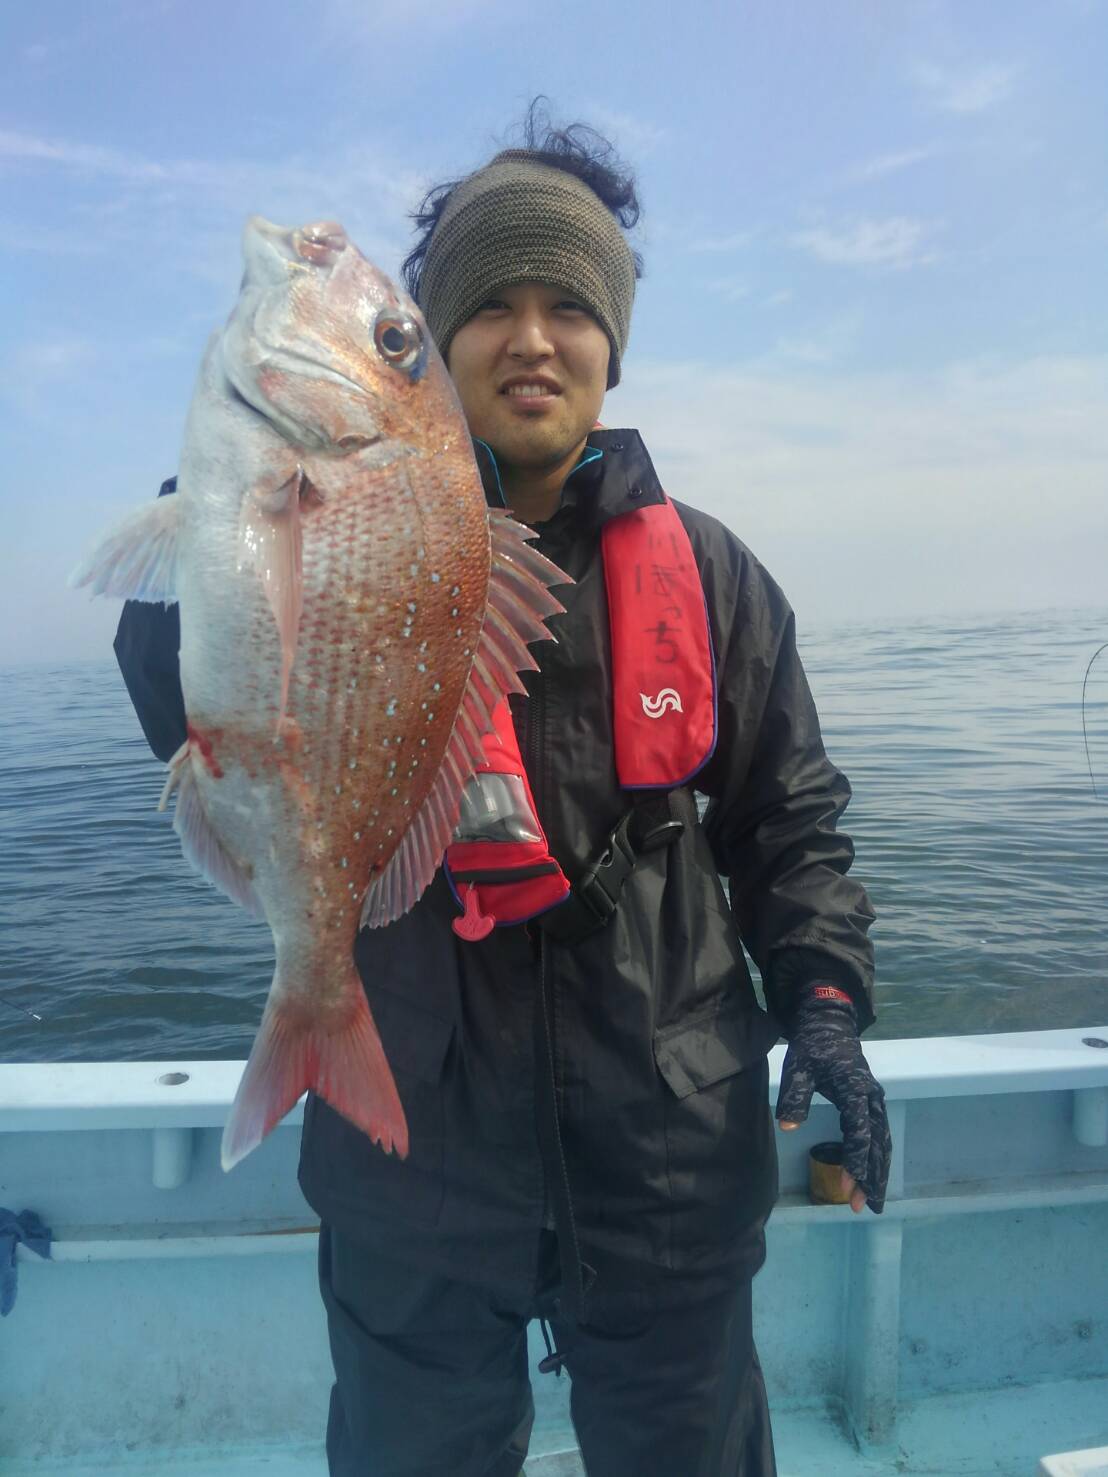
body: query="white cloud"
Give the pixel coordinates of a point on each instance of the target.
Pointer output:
(893, 163)
(967, 92)
(823, 345)
(357, 23)
(979, 485)
(54, 358)
(633, 136)
(35, 374)
(193, 209)
(90, 158)
(730, 289)
(897, 241)
(731, 241)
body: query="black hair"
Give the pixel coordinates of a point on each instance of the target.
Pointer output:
(578, 149)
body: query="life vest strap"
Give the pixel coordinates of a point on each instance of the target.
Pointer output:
(650, 824)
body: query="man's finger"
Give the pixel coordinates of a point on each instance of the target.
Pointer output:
(853, 1191)
(881, 1152)
(854, 1121)
(795, 1097)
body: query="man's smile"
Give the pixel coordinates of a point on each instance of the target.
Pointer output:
(529, 393)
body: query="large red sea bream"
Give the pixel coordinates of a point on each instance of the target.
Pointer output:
(350, 614)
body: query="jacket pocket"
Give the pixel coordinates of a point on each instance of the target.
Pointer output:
(721, 1163)
(712, 1044)
(343, 1167)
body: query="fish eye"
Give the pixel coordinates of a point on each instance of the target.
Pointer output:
(399, 341)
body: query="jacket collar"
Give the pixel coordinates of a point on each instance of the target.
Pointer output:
(619, 480)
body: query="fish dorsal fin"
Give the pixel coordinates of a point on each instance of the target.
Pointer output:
(519, 603)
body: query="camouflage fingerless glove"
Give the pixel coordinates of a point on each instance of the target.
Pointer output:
(825, 1056)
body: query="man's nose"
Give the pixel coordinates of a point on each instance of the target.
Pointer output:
(529, 338)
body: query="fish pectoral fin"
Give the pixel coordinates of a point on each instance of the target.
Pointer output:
(271, 541)
(339, 1056)
(138, 558)
(201, 845)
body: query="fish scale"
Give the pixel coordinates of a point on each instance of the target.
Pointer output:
(351, 613)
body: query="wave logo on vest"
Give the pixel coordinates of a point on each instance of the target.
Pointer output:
(667, 701)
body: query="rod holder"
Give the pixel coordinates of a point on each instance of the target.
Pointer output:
(172, 1157)
(1090, 1116)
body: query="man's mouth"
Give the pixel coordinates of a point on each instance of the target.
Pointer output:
(530, 389)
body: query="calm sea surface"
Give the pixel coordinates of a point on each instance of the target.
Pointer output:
(977, 835)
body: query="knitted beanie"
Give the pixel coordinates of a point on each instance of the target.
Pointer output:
(519, 220)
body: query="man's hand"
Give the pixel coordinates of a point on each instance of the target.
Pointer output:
(825, 1056)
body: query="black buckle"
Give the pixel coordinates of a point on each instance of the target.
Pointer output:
(595, 895)
(600, 885)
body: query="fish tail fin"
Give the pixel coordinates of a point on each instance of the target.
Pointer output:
(339, 1056)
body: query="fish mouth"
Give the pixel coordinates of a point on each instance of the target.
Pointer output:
(294, 430)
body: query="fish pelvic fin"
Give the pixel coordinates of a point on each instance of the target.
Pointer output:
(519, 602)
(138, 558)
(339, 1056)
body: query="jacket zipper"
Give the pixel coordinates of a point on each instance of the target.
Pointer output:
(536, 723)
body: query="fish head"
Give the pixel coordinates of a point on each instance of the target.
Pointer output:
(323, 345)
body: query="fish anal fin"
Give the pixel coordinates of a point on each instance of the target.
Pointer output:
(518, 603)
(338, 1055)
(138, 558)
(201, 845)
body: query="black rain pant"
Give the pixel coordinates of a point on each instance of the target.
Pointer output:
(431, 1376)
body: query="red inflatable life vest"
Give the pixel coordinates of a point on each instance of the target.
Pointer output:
(664, 722)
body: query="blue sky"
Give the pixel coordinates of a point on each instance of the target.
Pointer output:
(871, 333)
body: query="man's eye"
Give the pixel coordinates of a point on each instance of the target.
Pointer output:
(573, 306)
(491, 305)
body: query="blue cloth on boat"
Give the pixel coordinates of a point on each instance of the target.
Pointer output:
(28, 1228)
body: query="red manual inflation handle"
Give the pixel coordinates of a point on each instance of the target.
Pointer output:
(474, 925)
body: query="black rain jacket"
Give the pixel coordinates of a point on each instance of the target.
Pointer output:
(659, 1040)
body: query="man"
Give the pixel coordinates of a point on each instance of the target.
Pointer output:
(591, 1140)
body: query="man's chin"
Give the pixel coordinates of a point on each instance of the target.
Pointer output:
(536, 448)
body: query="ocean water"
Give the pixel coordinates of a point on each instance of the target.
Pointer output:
(976, 828)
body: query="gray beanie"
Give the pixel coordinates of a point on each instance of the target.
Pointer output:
(518, 220)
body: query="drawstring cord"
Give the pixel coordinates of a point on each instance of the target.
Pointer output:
(553, 1362)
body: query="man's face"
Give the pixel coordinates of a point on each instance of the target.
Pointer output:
(530, 368)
